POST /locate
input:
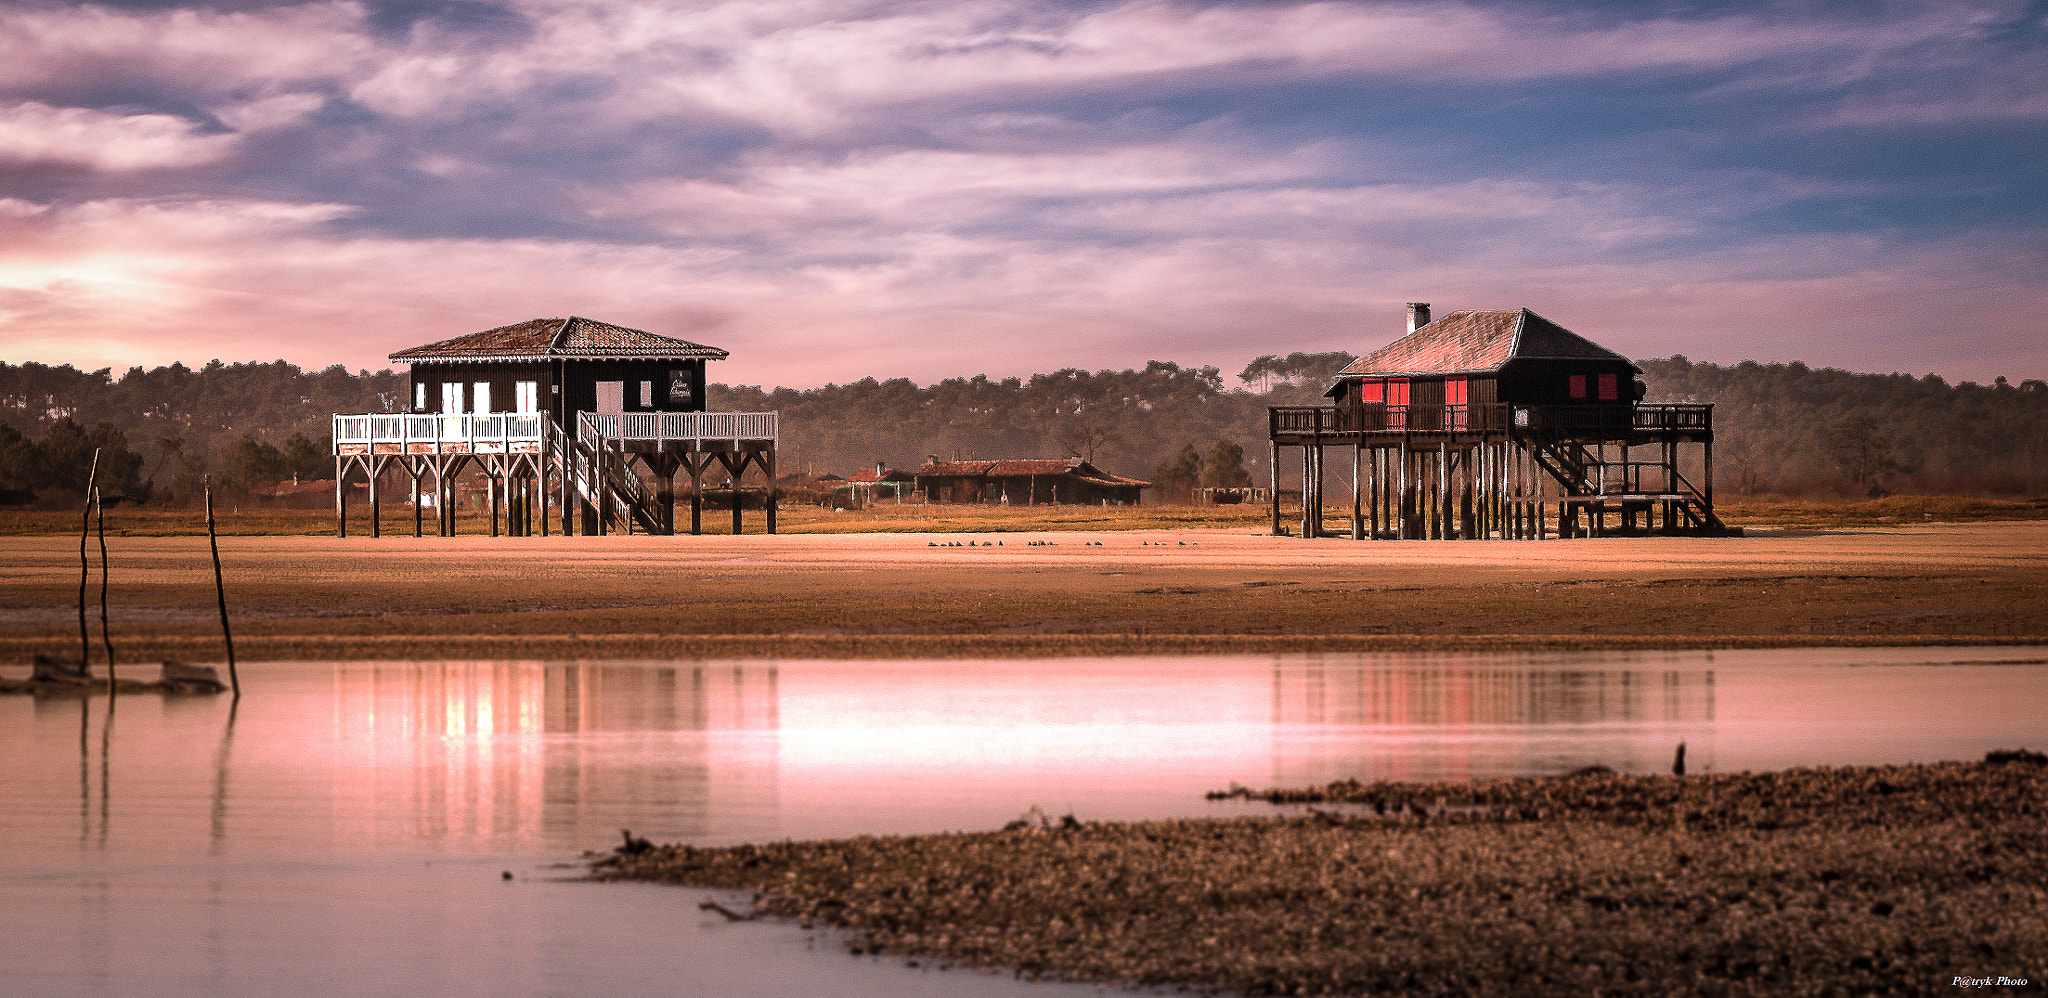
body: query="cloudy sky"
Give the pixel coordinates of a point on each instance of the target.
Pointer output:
(833, 189)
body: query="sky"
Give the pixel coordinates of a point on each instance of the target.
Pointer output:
(837, 189)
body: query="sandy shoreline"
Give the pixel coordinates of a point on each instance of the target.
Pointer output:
(1036, 594)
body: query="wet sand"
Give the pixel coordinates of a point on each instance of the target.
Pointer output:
(895, 595)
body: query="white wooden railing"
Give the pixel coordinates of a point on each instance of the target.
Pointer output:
(440, 430)
(590, 426)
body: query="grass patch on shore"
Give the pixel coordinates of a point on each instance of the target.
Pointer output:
(1889, 511)
(1866, 880)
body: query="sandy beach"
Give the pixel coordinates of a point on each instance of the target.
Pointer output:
(1055, 593)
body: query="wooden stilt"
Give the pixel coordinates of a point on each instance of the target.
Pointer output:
(1308, 488)
(769, 468)
(1273, 492)
(697, 493)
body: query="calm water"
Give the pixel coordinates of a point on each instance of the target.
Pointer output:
(344, 830)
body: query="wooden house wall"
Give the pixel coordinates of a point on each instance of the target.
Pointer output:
(578, 381)
(1548, 382)
(1520, 382)
(1019, 490)
(504, 378)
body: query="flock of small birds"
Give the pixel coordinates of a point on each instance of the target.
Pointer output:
(1860, 880)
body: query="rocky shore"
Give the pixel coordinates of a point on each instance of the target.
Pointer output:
(1866, 880)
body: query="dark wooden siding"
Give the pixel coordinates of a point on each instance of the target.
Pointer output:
(1548, 382)
(578, 381)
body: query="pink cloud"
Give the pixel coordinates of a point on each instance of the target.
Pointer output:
(32, 132)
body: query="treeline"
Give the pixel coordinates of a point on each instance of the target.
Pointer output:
(1163, 422)
(246, 424)
(1781, 428)
(1789, 429)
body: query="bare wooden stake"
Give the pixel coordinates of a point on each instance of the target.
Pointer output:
(100, 517)
(85, 565)
(220, 592)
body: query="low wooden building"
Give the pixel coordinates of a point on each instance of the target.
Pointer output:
(880, 482)
(568, 412)
(1500, 423)
(1072, 481)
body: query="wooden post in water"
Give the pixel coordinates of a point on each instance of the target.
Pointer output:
(100, 516)
(220, 592)
(85, 565)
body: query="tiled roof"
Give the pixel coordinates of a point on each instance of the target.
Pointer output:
(871, 475)
(1017, 468)
(574, 338)
(1471, 341)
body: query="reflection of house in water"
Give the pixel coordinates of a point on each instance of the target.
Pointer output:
(464, 747)
(1454, 716)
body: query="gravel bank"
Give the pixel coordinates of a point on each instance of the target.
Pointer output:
(1877, 880)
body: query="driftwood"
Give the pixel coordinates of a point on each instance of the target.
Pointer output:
(51, 676)
(199, 678)
(709, 904)
(50, 670)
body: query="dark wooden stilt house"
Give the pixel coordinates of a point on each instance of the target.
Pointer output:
(1500, 423)
(571, 413)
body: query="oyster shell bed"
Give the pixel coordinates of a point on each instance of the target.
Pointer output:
(1859, 880)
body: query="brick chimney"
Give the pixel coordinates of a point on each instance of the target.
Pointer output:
(1418, 315)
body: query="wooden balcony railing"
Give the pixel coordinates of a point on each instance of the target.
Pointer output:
(1567, 420)
(590, 426)
(430, 433)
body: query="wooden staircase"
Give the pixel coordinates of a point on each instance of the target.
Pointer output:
(602, 478)
(1594, 486)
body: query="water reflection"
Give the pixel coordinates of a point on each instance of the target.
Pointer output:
(535, 756)
(562, 753)
(1457, 716)
(201, 845)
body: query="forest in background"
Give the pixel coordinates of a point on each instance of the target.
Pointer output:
(1781, 429)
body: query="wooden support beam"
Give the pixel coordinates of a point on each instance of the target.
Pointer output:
(1357, 492)
(697, 466)
(1273, 477)
(772, 489)
(1308, 497)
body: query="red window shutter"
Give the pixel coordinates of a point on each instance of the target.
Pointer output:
(1610, 387)
(1397, 391)
(1455, 391)
(1578, 386)
(1372, 391)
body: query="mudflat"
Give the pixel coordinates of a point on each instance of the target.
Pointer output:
(1018, 593)
(1862, 880)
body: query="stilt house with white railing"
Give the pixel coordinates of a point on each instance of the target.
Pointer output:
(1498, 423)
(590, 421)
